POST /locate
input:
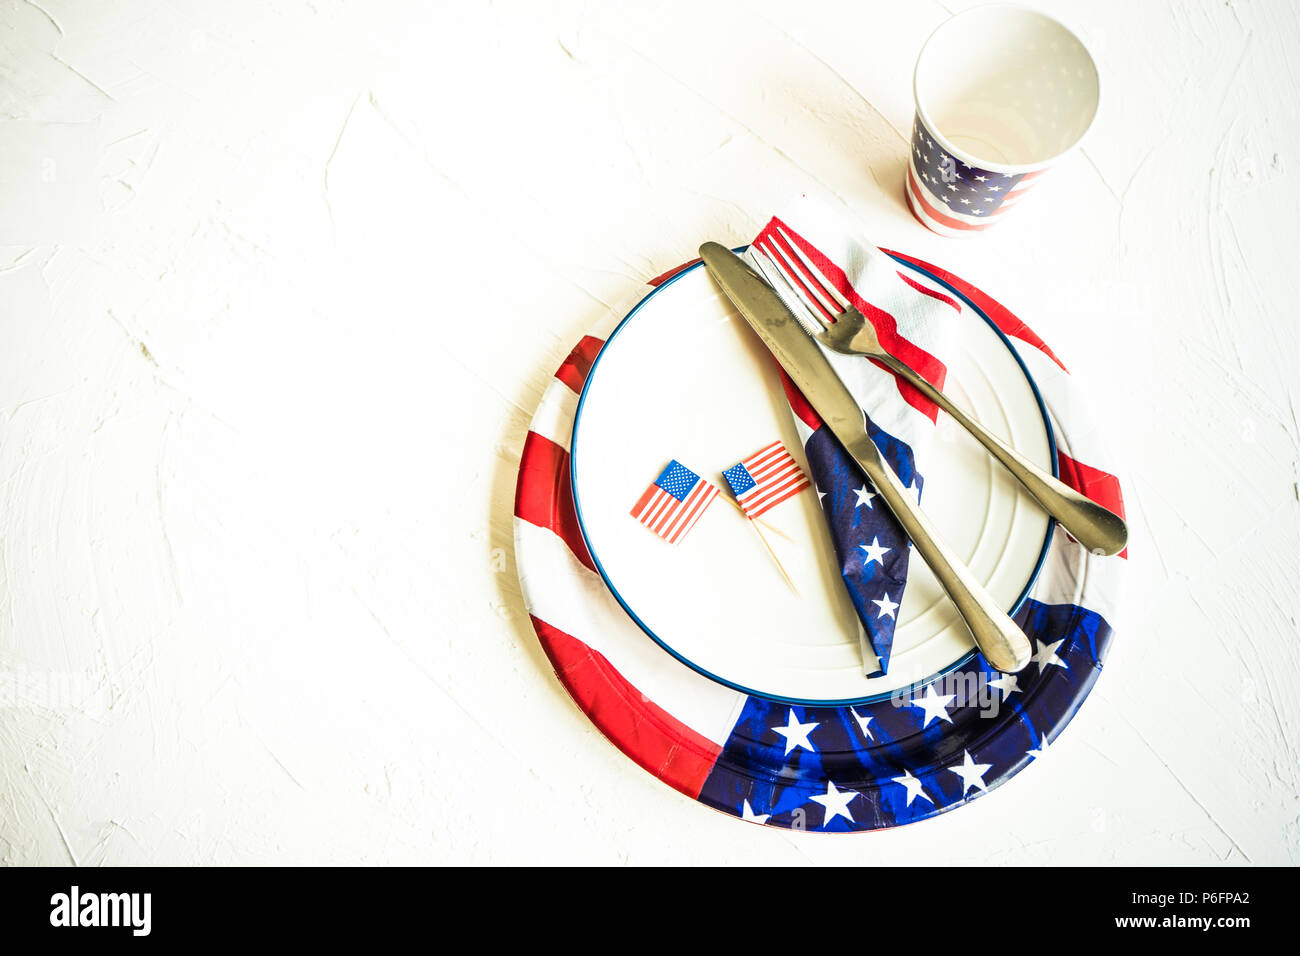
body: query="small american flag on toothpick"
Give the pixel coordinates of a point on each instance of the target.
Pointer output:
(765, 479)
(761, 482)
(674, 502)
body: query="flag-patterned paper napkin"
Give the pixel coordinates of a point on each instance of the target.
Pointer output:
(801, 253)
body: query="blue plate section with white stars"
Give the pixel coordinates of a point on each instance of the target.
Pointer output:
(892, 762)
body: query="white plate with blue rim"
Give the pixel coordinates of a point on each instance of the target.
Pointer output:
(683, 377)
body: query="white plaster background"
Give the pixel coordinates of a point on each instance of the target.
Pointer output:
(281, 282)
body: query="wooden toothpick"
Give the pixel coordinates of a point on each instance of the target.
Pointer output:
(772, 528)
(759, 521)
(772, 554)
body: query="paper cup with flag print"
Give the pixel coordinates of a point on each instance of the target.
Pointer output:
(1002, 93)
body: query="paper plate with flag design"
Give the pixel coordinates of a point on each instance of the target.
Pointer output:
(917, 751)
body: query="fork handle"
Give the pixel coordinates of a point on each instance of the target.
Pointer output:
(1001, 642)
(1098, 529)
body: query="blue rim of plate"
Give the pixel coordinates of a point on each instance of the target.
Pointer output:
(767, 695)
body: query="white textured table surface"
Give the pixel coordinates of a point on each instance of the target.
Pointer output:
(258, 448)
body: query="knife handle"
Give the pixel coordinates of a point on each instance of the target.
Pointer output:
(1001, 642)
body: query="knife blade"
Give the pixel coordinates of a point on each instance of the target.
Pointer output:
(1003, 644)
(785, 338)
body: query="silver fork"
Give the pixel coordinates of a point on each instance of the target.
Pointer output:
(848, 331)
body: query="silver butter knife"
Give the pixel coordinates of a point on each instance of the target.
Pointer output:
(1001, 642)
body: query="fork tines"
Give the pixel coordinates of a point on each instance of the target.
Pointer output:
(804, 280)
